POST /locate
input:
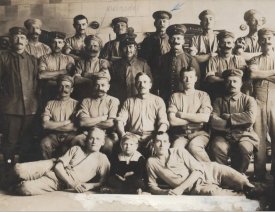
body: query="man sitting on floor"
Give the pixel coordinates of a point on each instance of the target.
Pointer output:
(73, 170)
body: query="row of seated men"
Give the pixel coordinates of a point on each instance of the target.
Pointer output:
(166, 64)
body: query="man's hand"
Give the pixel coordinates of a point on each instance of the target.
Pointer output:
(213, 54)
(80, 188)
(175, 192)
(120, 177)
(128, 174)
(104, 118)
(180, 115)
(225, 116)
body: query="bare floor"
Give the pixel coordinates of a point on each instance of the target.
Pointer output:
(90, 201)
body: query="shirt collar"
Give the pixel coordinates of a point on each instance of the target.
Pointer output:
(234, 97)
(15, 54)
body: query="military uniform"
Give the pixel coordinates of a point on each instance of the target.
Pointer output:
(155, 45)
(18, 99)
(237, 138)
(112, 50)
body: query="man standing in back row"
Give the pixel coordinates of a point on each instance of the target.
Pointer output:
(18, 96)
(157, 43)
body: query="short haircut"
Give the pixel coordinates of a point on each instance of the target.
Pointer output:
(96, 129)
(131, 137)
(188, 69)
(80, 17)
(160, 134)
(139, 74)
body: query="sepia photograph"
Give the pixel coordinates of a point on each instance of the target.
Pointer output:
(137, 105)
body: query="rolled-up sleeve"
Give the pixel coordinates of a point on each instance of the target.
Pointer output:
(123, 114)
(162, 115)
(84, 110)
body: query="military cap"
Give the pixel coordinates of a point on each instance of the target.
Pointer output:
(56, 34)
(176, 29)
(18, 31)
(89, 38)
(65, 78)
(265, 31)
(31, 21)
(232, 72)
(249, 13)
(206, 12)
(119, 19)
(225, 34)
(130, 37)
(102, 75)
(161, 14)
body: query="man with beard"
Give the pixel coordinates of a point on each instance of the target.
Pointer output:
(112, 50)
(58, 120)
(99, 110)
(205, 45)
(156, 44)
(124, 70)
(223, 61)
(143, 114)
(52, 65)
(248, 45)
(173, 62)
(75, 44)
(89, 65)
(34, 47)
(18, 96)
(188, 113)
(263, 74)
(185, 175)
(232, 122)
(74, 170)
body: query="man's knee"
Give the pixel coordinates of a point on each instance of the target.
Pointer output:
(219, 146)
(246, 148)
(24, 188)
(180, 142)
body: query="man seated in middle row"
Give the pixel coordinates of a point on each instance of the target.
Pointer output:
(143, 114)
(232, 122)
(188, 113)
(99, 110)
(58, 119)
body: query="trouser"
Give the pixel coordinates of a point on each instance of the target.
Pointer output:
(196, 146)
(239, 152)
(18, 134)
(37, 178)
(129, 186)
(265, 123)
(55, 145)
(219, 178)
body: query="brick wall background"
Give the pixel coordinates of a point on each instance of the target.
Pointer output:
(58, 14)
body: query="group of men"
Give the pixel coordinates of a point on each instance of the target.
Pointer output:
(196, 95)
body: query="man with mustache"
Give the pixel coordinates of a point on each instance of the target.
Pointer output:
(89, 65)
(223, 61)
(232, 124)
(112, 50)
(34, 47)
(18, 96)
(248, 45)
(262, 69)
(173, 62)
(58, 120)
(156, 44)
(73, 170)
(53, 65)
(124, 70)
(99, 110)
(75, 44)
(143, 114)
(188, 113)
